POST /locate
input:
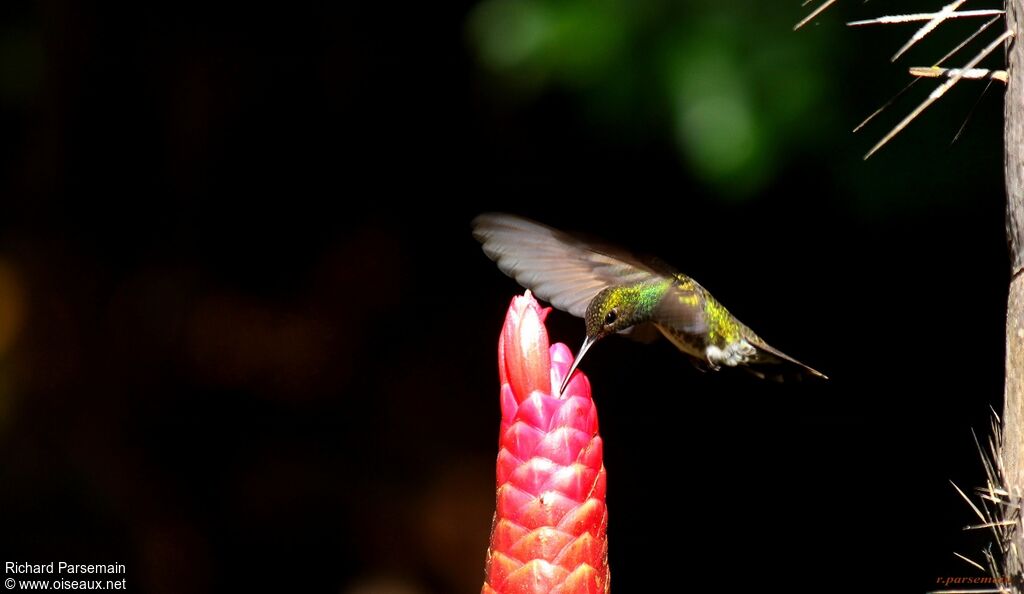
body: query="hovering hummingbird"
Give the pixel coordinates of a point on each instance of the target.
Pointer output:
(616, 292)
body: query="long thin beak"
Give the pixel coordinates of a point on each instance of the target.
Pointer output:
(587, 343)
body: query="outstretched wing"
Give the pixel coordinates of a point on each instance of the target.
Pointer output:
(559, 268)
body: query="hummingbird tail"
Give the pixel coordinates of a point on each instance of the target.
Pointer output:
(768, 354)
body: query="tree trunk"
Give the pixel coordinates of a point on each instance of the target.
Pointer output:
(1012, 449)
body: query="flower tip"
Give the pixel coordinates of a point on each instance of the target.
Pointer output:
(524, 361)
(526, 301)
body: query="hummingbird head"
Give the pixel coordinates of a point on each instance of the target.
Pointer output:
(612, 310)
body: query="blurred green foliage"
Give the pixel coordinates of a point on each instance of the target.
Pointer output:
(734, 93)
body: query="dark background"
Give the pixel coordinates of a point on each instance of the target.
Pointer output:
(246, 339)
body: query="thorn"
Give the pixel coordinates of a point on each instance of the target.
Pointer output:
(928, 27)
(969, 502)
(939, 92)
(989, 525)
(971, 112)
(924, 16)
(956, 49)
(887, 104)
(971, 74)
(948, 55)
(969, 561)
(813, 14)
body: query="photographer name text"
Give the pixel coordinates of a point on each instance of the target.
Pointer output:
(63, 567)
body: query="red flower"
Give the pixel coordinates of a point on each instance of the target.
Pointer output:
(549, 532)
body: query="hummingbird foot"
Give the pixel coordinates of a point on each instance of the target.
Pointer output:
(698, 364)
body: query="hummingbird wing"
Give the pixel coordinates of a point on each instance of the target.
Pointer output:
(559, 268)
(682, 307)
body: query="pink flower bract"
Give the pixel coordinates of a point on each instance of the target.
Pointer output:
(550, 527)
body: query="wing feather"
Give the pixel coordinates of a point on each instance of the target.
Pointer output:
(559, 268)
(682, 308)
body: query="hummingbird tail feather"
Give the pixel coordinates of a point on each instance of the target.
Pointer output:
(767, 353)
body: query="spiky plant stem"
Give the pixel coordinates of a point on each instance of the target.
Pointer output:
(1011, 451)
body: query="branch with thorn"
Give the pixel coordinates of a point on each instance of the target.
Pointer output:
(941, 90)
(1000, 506)
(951, 76)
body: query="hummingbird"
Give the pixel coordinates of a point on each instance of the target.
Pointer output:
(616, 292)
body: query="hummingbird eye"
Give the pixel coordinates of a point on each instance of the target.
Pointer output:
(610, 317)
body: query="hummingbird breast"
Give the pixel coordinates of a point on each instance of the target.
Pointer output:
(691, 344)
